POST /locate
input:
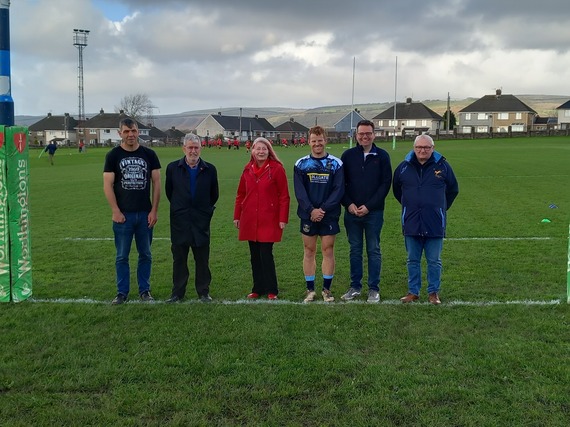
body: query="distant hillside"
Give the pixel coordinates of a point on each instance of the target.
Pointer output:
(544, 105)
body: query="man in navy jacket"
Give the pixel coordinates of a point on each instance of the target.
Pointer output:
(367, 178)
(192, 189)
(426, 187)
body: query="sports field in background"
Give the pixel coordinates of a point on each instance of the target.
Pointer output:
(494, 353)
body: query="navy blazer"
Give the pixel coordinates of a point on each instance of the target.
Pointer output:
(190, 217)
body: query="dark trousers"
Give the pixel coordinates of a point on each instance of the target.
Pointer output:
(180, 273)
(263, 268)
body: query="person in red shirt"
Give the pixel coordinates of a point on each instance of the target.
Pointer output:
(248, 145)
(261, 212)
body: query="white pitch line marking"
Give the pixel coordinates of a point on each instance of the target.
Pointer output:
(495, 238)
(102, 239)
(99, 239)
(452, 303)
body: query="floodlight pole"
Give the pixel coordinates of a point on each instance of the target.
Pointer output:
(80, 42)
(6, 101)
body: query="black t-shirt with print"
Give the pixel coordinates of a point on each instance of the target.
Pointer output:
(132, 171)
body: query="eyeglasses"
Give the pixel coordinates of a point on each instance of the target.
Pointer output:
(362, 134)
(420, 148)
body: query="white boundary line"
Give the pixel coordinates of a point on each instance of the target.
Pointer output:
(287, 302)
(97, 239)
(496, 238)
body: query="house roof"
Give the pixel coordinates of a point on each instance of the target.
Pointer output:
(233, 123)
(497, 103)
(356, 117)
(174, 133)
(565, 106)
(409, 110)
(291, 126)
(54, 123)
(109, 121)
(156, 133)
(546, 120)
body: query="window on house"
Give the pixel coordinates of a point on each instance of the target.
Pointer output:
(503, 116)
(93, 131)
(393, 123)
(519, 116)
(467, 116)
(107, 131)
(424, 123)
(411, 123)
(482, 116)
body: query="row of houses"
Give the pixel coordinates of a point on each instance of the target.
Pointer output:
(101, 129)
(496, 113)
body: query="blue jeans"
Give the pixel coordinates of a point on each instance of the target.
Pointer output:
(432, 247)
(370, 227)
(136, 225)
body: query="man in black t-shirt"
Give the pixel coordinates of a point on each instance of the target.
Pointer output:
(129, 171)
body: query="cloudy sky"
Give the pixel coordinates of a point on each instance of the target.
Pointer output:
(210, 54)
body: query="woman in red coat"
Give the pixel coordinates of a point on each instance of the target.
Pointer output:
(261, 213)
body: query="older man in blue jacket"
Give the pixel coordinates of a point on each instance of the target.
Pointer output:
(426, 187)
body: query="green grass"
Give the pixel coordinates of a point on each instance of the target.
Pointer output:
(476, 360)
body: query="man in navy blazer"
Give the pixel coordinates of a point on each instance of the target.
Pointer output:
(192, 189)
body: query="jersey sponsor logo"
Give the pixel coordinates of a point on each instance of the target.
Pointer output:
(318, 178)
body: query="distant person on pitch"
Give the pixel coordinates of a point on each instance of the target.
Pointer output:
(129, 174)
(50, 149)
(426, 187)
(319, 186)
(192, 189)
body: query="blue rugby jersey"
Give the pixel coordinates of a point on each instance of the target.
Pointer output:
(319, 183)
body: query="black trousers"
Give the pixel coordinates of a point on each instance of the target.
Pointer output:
(180, 272)
(263, 268)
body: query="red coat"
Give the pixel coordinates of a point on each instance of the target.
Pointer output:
(262, 203)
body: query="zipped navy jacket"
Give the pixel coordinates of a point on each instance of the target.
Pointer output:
(190, 216)
(367, 180)
(425, 192)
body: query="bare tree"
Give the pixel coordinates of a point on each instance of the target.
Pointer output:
(138, 106)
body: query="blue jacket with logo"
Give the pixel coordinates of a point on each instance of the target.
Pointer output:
(425, 192)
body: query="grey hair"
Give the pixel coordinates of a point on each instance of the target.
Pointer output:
(192, 137)
(425, 137)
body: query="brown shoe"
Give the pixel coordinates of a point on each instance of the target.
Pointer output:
(409, 298)
(433, 298)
